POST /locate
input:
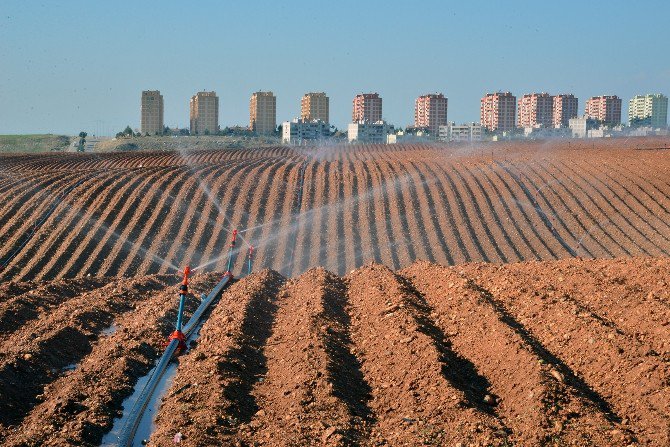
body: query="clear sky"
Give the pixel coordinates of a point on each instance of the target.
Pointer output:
(67, 66)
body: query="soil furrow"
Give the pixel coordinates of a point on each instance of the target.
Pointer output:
(138, 225)
(580, 212)
(46, 225)
(641, 241)
(660, 239)
(24, 218)
(113, 222)
(79, 407)
(210, 400)
(47, 348)
(421, 391)
(77, 211)
(603, 222)
(559, 208)
(510, 250)
(412, 207)
(262, 202)
(449, 216)
(619, 375)
(546, 246)
(23, 305)
(540, 213)
(300, 400)
(539, 409)
(101, 219)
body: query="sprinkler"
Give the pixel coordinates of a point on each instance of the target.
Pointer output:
(183, 291)
(250, 256)
(231, 247)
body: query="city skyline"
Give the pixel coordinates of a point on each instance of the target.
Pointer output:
(63, 79)
(430, 110)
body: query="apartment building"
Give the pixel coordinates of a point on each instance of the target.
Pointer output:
(430, 112)
(566, 106)
(580, 127)
(204, 113)
(535, 110)
(300, 130)
(362, 132)
(498, 111)
(648, 110)
(367, 108)
(263, 113)
(460, 133)
(314, 106)
(151, 113)
(605, 108)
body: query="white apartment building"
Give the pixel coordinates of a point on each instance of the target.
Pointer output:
(648, 110)
(298, 131)
(464, 132)
(581, 126)
(376, 132)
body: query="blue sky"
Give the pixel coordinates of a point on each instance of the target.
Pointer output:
(72, 65)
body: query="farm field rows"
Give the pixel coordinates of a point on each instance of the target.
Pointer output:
(535, 353)
(493, 295)
(69, 215)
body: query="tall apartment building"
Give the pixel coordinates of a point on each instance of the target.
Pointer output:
(263, 112)
(498, 111)
(367, 108)
(648, 110)
(535, 109)
(314, 106)
(430, 112)
(151, 112)
(606, 109)
(565, 107)
(204, 113)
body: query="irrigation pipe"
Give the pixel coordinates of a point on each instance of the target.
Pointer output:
(130, 428)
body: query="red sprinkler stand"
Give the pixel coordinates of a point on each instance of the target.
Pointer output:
(183, 291)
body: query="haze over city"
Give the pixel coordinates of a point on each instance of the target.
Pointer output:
(76, 65)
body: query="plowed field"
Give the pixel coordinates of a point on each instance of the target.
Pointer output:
(571, 352)
(68, 215)
(405, 295)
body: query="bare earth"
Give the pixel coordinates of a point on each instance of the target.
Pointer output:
(419, 295)
(136, 214)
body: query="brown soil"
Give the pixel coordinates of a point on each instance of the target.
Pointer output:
(77, 405)
(519, 294)
(394, 205)
(476, 354)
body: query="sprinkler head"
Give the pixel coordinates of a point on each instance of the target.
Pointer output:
(184, 283)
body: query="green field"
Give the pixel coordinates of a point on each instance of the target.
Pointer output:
(33, 143)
